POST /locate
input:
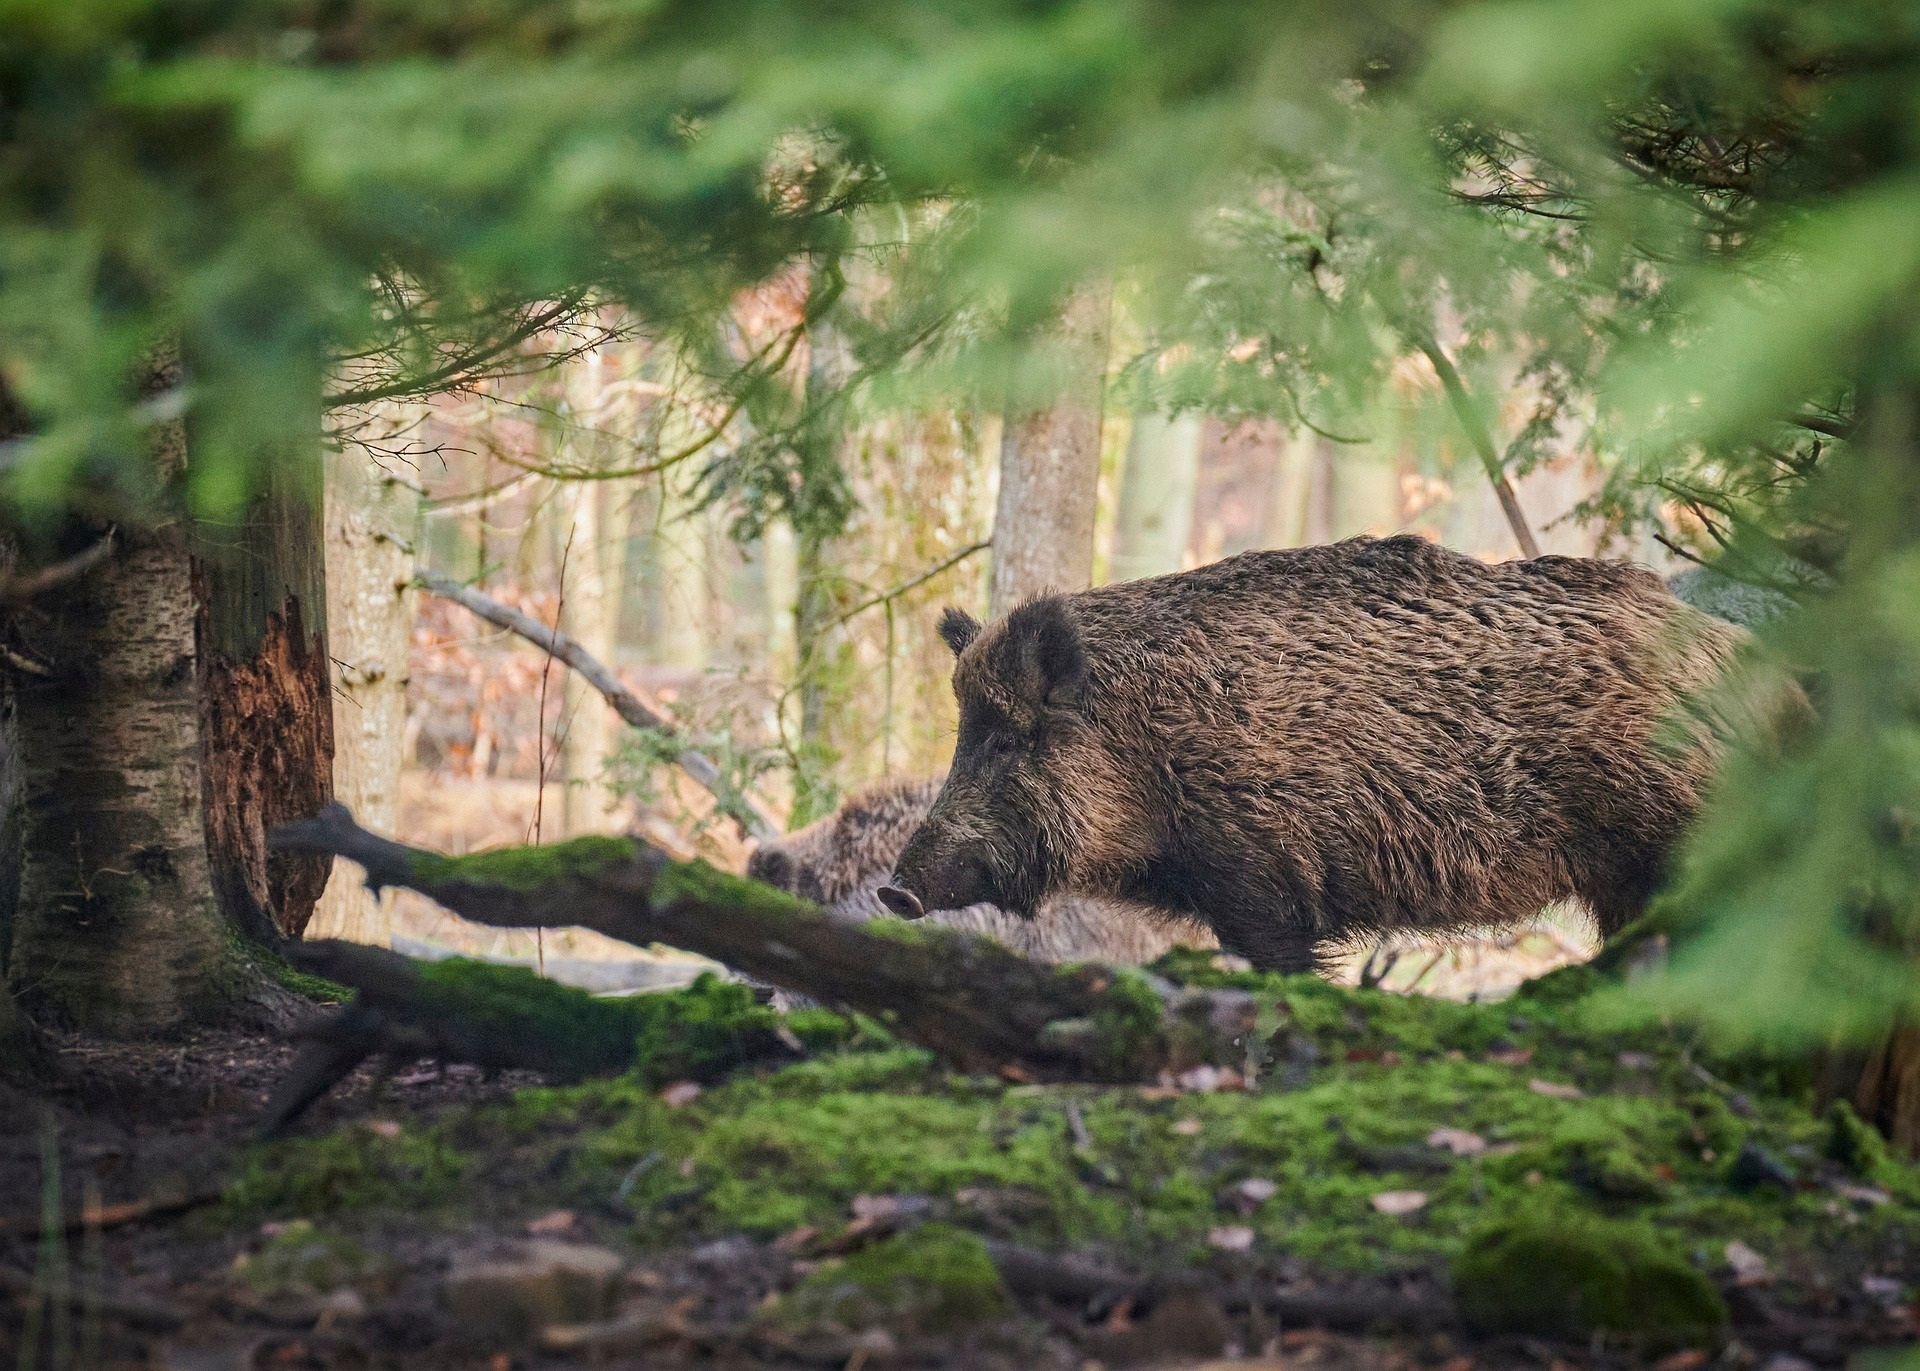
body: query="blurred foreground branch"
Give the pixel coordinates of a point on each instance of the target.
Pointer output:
(627, 703)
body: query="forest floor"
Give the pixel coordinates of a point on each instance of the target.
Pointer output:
(1408, 1184)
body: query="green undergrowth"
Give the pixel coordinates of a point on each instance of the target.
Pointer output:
(1586, 1126)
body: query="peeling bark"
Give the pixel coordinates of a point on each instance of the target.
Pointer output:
(266, 704)
(268, 732)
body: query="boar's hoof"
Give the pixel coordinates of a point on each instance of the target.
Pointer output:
(904, 903)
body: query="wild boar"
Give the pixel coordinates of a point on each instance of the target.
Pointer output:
(1306, 747)
(841, 861)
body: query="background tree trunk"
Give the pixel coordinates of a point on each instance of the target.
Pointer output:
(1286, 521)
(679, 555)
(1157, 491)
(370, 519)
(1050, 469)
(590, 614)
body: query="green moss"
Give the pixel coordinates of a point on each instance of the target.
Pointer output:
(354, 1168)
(1854, 1143)
(1570, 1276)
(700, 883)
(932, 1279)
(304, 1260)
(1363, 1081)
(1127, 1024)
(698, 1033)
(528, 868)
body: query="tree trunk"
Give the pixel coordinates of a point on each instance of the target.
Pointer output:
(1286, 520)
(679, 555)
(1156, 495)
(369, 563)
(1322, 478)
(20, 1046)
(184, 711)
(266, 704)
(590, 614)
(1050, 469)
(118, 928)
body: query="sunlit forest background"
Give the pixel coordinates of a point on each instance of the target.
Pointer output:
(558, 492)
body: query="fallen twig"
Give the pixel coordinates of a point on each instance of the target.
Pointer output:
(116, 1215)
(626, 702)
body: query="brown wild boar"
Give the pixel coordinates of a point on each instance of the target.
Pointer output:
(1301, 748)
(841, 861)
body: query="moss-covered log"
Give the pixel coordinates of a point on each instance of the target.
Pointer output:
(502, 1017)
(978, 1005)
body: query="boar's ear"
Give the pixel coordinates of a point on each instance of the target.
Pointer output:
(958, 629)
(1048, 659)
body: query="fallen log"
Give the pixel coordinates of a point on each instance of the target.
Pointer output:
(981, 1007)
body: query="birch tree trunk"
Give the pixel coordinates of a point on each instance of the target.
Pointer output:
(1050, 469)
(370, 527)
(1157, 491)
(118, 928)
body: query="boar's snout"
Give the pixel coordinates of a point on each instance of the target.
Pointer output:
(903, 903)
(940, 880)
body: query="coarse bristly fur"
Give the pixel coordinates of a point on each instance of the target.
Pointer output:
(842, 860)
(1307, 746)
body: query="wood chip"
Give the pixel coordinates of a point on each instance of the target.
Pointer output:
(680, 1093)
(1457, 1141)
(1231, 1238)
(1400, 1201)
(1749, 1267)
(1555, 1089)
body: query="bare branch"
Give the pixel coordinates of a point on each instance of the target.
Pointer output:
(907, 587)
(628, 704)
(19, 589)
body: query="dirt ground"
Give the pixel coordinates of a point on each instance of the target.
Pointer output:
(170, 1282)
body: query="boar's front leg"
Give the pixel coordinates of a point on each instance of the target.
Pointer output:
(1271, 947)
